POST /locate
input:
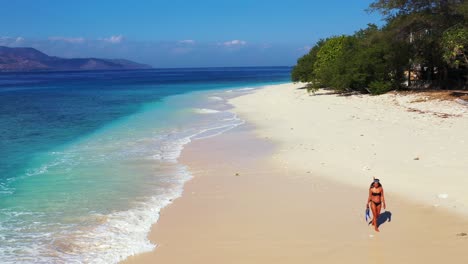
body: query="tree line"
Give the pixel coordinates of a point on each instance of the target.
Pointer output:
(423, 44)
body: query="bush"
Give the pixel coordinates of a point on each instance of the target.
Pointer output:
(312, 88)
(370, 60)
(379, 87)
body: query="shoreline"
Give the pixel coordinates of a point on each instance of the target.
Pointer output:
(206, 224)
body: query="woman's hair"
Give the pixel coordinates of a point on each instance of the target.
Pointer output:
(375, 181)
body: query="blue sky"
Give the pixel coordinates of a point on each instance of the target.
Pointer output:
(175, 33)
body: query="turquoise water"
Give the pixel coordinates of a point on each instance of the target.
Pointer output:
(89, 159)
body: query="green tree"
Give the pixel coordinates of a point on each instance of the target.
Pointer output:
(422, 24)
(304, 69)
(427, 36)
(369, 61)
(326, 66)
(372, 61)
(455, 52)
(455, 46)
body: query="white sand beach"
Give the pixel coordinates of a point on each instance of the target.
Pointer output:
(290, 186)
(417, 147)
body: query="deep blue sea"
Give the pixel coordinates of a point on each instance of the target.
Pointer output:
(88, 159)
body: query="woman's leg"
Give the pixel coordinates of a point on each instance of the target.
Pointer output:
(377, 215)
(374, 214)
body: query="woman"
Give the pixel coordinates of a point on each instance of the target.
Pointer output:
(376, 200)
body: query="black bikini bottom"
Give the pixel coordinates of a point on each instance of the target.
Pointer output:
(377, 204)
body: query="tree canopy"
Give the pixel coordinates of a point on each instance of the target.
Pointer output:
(425, 38)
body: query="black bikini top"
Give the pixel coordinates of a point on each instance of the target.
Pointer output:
(376, 194)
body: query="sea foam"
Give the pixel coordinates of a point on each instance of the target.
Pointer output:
(205, 111)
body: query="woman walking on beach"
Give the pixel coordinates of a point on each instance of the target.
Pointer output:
(376, 200)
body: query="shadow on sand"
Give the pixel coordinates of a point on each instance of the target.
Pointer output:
(383, 218)
(330, 91)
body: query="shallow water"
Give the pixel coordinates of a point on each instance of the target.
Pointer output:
(89, 159)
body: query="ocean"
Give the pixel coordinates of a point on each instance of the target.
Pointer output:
(88, 159)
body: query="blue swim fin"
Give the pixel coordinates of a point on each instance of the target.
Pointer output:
(367, 214)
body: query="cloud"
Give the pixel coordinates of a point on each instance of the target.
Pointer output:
(234, 43)
(114, 39)
(19, 39)
(69, 40)
(163, 54)
(187, 41)
(11, 41)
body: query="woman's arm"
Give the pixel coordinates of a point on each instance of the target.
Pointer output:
(383, 200)
(368, 198)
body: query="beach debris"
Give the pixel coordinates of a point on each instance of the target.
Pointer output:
(362, 135)
(437, 114)
(417, 158)
(308, 172)
(371, 236)
(237, 174)
(462, 234)
(442, 196)
(461, 101)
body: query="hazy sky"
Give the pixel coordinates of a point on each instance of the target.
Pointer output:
(175, 33)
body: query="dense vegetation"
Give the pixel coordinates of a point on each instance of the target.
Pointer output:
(424, 44)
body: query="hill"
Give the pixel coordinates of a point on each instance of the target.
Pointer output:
(30, 59)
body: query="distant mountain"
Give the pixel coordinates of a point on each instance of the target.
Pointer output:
(29, 59)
